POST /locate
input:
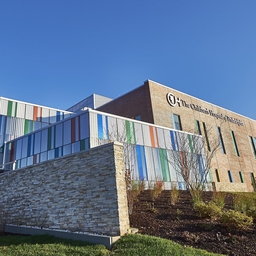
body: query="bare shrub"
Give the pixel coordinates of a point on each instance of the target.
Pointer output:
(236, 220)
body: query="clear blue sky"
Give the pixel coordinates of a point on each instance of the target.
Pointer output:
(57, 52)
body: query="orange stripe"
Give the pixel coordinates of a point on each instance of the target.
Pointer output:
(152, 136)
(41, 114)
(35, 113)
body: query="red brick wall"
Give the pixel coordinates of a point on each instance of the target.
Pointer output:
(132, 104)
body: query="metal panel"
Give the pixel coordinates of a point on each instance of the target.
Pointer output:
(139, 134)
(20, 110)
(52, 116)
(45, 115)
(146, 135)
(150, 163)
(3, 107)
(29, 112)
(93, 129)
(161, 138)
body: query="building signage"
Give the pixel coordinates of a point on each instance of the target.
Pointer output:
(176, 101)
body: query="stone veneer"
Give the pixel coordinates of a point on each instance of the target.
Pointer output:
(83, 192)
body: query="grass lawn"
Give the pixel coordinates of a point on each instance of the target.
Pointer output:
(130, 245)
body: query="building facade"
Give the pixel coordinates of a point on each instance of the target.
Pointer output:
(234, 166)
(149, 122)
(18, 118)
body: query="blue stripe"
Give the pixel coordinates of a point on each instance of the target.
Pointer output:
(173, 140)
(100, 127)
(141, 162)
(58, 116)
(106, 127)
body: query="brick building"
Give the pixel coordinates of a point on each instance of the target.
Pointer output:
(234, 166)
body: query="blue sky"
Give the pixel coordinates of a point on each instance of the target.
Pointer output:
(57, 52)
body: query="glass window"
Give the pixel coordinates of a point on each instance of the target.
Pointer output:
(253, 143)
(217, 175)
(58, 135)
(44, 140)
(206, 137)
(58, 152)
(51, 154)
(138, 117)
(176, 122)
(43, 157)
(253, 180)
(76, 147)
(18, 149)
(84, 144)
(31, 145)
(23, 162)
(84, 126)
(30, 160)
(230, 176)
(67, 132)
(24, 147)
(241, 177)
(51, 139)
(221, 140)
(37, 143)
(67, 150)
(234, 142)
(198, 128)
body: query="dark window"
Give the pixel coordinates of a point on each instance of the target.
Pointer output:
(138, 117)
(221, 140)
(176, 122)
(206, 137)
(230, 176)
(217, 175)
(241, 177)
(253, 142)
(198, 128)
(234, 143)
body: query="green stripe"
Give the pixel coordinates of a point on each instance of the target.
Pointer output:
(128, 131)
(164, 165)
(16, 107)
(210, 174)
(26, 127)
(82, 145)
(9, 110)
(190, 143)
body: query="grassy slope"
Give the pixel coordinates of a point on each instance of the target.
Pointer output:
(130, 245)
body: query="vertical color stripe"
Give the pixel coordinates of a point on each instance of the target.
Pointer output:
(152, 138)
(128, 131)
(73, 130)
(173, 140)
(9, 109)
(100, 128)
(164, 165)
(35, 113)
(190, 143)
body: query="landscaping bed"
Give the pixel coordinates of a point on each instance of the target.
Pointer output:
(182, 224)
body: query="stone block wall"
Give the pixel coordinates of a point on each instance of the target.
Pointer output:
(82, 192)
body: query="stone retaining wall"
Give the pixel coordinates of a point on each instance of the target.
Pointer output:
(82, 192)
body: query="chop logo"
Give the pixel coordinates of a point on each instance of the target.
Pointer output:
(173, 100)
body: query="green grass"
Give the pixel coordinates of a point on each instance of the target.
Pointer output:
(129, 245)
(143, 245)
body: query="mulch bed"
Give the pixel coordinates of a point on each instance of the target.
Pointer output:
(182, 224)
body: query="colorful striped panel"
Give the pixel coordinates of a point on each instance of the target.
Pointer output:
(143, 175)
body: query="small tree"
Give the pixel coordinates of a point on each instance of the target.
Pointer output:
(124, 132)
(192, 161)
